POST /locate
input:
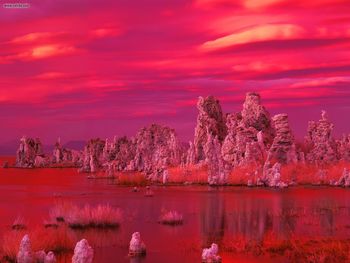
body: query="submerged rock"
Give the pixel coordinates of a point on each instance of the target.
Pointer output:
(210, 255)
(210, 120)
(50, 258)
(42, 257)
(25, 254)
(136, 246)
(83, 252)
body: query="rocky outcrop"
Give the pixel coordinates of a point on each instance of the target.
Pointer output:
(27, 152)
(25, 254)
(283, 149)
(344, 180)
(42, 257)
(250, 133)
(124, 151)
(210, 120)
(320, 141)
(343, 148)
(191, 154)
(210, 255)
(156, 148)
(83, 252)
(66, 156)
(216, 169)
(136, 246)
(271, 176)
(93, 155)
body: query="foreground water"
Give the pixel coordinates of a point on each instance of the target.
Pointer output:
(210, 214)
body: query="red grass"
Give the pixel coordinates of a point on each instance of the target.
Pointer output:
(291, 250)
(102, 216)
(241, 175)
(132, 179)
(171, 218)
(197, 174)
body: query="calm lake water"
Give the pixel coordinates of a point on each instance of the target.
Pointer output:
(210, 214)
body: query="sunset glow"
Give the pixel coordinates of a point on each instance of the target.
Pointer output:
(82, 69)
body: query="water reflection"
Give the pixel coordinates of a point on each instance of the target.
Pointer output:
(252, 218)
(212, 218)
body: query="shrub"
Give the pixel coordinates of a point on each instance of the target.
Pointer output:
(171, 218)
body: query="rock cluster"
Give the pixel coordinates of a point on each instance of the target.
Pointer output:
(217, 174)
(272, 176)
(26, 255)
(344, 180)
(343, 148)
(249, 138)
(29, 149)
(62, 155)
(210, 120)
(320, 141)
(83, 252)
(136, 246)
(156, 148)
(249, 134)
(283, 149)
(93, 155)
(210, 255)
(124, 152)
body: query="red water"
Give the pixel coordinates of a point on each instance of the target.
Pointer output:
(210, 215)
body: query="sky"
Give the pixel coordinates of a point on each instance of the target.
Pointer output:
(78, 69)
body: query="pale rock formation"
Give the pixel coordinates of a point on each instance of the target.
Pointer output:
(41, 161)
(210, 120)
(42, 257)
(191, 154)
(83, 252)
(136, 246)
(165, 176)
(57, 152)
(216, 168)
(28, 150)
(210, 255)
(50, 258)
(319, 139)
(123, 152)
(343, 148)
(157, 147)
(344, 180)
(272, 176)
(250, 133)
(62, 155)
(93, 155)
(25, 254)
(283, 149)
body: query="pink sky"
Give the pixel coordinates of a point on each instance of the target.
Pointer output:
(81, 69)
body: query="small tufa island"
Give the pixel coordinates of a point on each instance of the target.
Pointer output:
(244, 148)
